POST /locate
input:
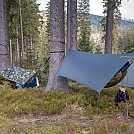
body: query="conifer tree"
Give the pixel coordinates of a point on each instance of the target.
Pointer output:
(30, 23)
(84, 29)
(4, 47)
(72, 24)
(126, 41)
(57, 45)
(111, 8)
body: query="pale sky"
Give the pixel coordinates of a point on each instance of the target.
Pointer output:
(96, 7)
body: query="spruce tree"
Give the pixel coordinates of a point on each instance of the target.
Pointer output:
(84, 29)
(4, 47)
(57, 45)
(111, 8)
(30, 23)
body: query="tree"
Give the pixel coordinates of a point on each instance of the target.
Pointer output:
(4, 47)
(84, 29)
(72, 24)
(126, 43)
(111, 7)
(115, 33)
(57, 45)
(29, 19)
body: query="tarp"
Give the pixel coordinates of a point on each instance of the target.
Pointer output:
(17, 74)
(128, 80)
(92, 70)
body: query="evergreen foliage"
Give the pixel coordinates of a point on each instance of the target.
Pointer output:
(30, 23)
(84, 26)
(126, 41)
(113, 6)
(113, 17)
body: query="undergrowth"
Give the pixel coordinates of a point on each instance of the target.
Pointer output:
(18, 102)
(80, 100)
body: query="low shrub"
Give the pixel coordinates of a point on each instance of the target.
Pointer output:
(18, 102)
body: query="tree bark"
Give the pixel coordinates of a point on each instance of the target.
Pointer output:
(17, 47)
(109, 27)
(57, 45)
(4, 47)
(72, 24)
(21, 29)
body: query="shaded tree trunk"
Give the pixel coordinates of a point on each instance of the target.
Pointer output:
(21, 30)
(72, 24)
(57, 45)
(17, 47)
(4, 47)
(109, 26)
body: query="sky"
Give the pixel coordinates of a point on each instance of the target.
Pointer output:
(96, 7)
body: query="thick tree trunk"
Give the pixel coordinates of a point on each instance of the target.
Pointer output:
(4, 47)
(72, 24)
(109, 27)
(57, 45)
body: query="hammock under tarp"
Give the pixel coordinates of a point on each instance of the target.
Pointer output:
(93, 70)
(17, 74)
(128, 80)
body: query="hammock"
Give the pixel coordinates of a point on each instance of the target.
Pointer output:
(20, 75)
(118, 77)
(128, 80)
(17, 74)
(95, 70)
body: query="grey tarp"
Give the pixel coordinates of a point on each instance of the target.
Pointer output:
(17, 74)
(128, 80)
(92, 70)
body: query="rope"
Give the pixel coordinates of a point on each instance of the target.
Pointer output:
(43, 66)
(58, 52)
(3, 54)
(57, 41)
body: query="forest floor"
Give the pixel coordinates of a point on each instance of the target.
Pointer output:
(68, 124)
(33, 111)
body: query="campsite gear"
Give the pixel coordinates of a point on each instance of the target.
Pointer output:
(94, 70)
(17, 74)
(122, 95)
(32, 82)
(128, 80)
(22, 77)
(119, 75)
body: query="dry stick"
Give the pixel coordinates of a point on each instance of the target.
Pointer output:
(127, 109)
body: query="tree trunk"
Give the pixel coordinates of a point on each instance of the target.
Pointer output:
(17, 47)
(4, 47)
(21, 30)
(11, 53)
(57, 45)
(72, 24)
(109, 27)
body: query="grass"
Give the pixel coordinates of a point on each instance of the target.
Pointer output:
(34, 111)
